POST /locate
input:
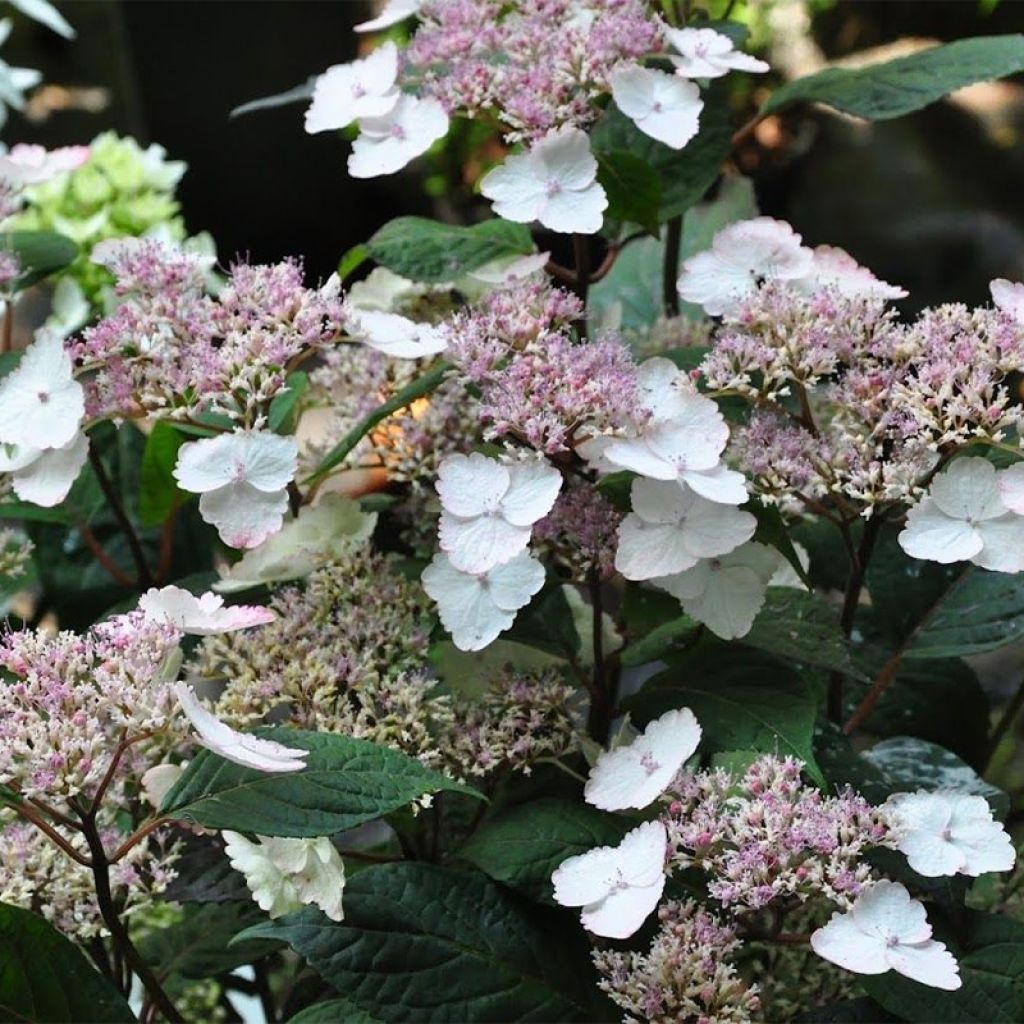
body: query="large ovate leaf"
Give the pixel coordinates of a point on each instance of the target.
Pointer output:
(333, 1011)
(39, 253)
(523, 845)
(897, 87)
(44, 977)
(345, 782)
(633, 189)
(426, 943)
(427, 250)
(158, 490)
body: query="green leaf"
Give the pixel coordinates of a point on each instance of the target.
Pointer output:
(297, 94)
(547, 624)
(426, 943)
(522, 846)
(633, 189)
(333, 1011)
(771, 530)
(345, 783)
(406, 396)
(158, 490)
(39, 252)
(661, 641)
(427, 250)
(901, 86)
(43, 977)
(282, 416)
(991, 954)
(352, 261)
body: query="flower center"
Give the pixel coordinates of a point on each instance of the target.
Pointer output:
(554, 186)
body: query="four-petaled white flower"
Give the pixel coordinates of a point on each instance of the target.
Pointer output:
(681, 439)
(637, 774)
(205, 615)
(386, 144)
(392, 13)
(43, 476)
(32, 165)
(705, 53)
(476, 607)
(41, 403)
(234, 746)
(348, 92)
(554, 182)
(836, 269)
(886, 930)
(964, 518)
(489, 507)
(617, 886)
(741, 257)
(725, 593)
(661, 105)
(398, 336)
(671, 528)
(286, 874)
(947, 833)
(1009, 297)
(242, 479)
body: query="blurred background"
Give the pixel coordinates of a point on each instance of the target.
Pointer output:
(932, 201)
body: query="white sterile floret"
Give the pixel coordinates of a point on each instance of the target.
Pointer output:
(392, 13)
(725, 593)
(946, 833)
(286, 874)
(741, 257)
(386, 144)
(32, 165)
(964, 518)
(158, 781)
(886, 930)
(489, 507)
(205, 615)
(234, 746)
(398, 336)
(1009, 297)
(243, 479)
(347, 92)
(705, 53)
(637, 774)
(554, 182)
(836, 269)
(671, 528)
(617, 886)
(682, 437)
(41, 403)
(69, 308)
(509, 268)
(44, 476)
(661, 105)
(476, 607)
(382, 291)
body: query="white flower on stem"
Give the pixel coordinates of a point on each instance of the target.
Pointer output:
(32, 165)
(1009, 297)
(476, 607)
(509, 268)
(671, 528)
(705, 53)
(44, 476)
(964, 518)
(242, 479)
(886, 930)
(489, 507)
(725, 593)
(386, 144)
(348, 92)
(617, 886)
(836, 269)
(741, 257)
(383, 291)
(398, 336)
(205, 615)
(945, 833)
(286, 874)
(234, 746)
(661, 105)
(681, 439)
(41, 403)
(393, 12)
(637, 774)
(158, 781)
(554, 182)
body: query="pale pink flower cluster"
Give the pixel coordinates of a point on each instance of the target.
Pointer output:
(581, 531)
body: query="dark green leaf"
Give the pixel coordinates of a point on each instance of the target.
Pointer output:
(333, 1011)
(43, 977)
(424, 943)
(39, 252)
(345, 782)
(661, 641)
(297, 94)
(283, 408)
(897, 87)
(352, 261)
(158, 491)
(205, 875)
(427, 250)
(771, 530)
(849, 1011)
(633, 189)
(547, 624)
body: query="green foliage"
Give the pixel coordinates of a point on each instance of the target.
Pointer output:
(333, 1011)
(345, 783)
(40, 253)
(43, 977)
(159, 493)
(426, 943)
(284, 407)
(633, 189)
